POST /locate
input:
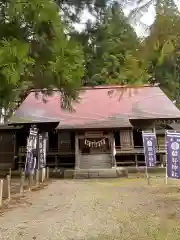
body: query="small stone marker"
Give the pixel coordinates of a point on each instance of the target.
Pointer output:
(31, 175)
(43, 175)
(22, 182)
(47, 173)
(8, 187)
(1, 191)
(37, 177)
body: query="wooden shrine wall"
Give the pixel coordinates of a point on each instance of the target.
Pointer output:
(64, 141)
(7, 150)
(160, 140)
(126, 139)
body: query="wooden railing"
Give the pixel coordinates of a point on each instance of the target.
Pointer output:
(119, 150)
(51, 152)
(138, 149)
(53, 158)
(96, 153)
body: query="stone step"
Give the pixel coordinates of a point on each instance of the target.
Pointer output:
(100, 173)
(96, 161)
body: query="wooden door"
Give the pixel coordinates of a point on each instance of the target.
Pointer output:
(126, 139)
(64, 142)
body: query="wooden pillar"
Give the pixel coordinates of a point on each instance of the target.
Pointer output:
(77, 155)
(14, 150)
(22, 182)
(162, 160)
(56, 162)
(111, 140)
(19, 163)
(8, 187)
(59, 141)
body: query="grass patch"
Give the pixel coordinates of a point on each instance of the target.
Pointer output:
(142, 212)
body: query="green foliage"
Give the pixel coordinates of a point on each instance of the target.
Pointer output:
(40, 48)
(35, 51)
(110, 46)
(14, 63)
(160, 50)
(72, 9)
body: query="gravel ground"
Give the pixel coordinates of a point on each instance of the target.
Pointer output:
(124, 209)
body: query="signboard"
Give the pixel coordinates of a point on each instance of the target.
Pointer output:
(149, 142)
(173, 154)
(31, 150)
(45, 139)
(94, 134)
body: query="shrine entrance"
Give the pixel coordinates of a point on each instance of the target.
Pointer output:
(94, 145)
(95, 152)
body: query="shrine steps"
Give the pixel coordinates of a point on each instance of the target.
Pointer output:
(97, 173)
(96, 161)
(117, 172)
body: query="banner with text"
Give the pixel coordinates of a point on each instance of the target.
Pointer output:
(45, 137)
(42, 150)
(31, 150)
(173, 154)
(149, 143)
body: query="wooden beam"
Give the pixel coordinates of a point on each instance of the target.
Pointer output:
(58, 141)
(84, 136)
(136, 160)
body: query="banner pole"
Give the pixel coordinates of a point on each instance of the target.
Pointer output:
(166, 170)
(147, 175)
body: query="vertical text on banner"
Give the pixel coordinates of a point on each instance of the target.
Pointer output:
(31, 150)
(41, 156)
(173, 154)
(149, 143)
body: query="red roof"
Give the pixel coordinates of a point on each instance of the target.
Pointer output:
(99, 105)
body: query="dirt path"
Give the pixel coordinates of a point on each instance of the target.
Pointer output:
(114, 209)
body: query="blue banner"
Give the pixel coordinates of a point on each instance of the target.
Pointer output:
(30, 163)
(173, 154)
(149, 142)
(31, 150)
(41, 152)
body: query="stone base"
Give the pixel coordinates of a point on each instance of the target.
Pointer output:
(115, 172)
(100, 173)
(151, 170)
(69, 173)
